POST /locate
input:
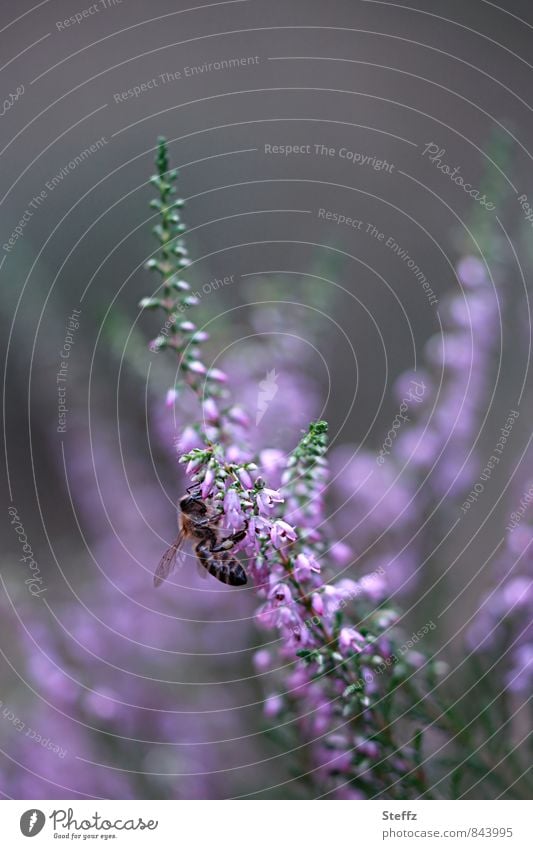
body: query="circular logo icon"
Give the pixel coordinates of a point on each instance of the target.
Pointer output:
(32, 822)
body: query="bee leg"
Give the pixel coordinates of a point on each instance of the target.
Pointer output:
(229, 542)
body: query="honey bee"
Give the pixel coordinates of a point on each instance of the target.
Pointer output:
(197, 523)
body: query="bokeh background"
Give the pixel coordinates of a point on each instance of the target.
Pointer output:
(107, 687)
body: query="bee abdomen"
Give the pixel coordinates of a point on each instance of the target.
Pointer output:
(222, 566)
(236, 574)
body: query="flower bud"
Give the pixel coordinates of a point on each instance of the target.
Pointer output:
(170, 399)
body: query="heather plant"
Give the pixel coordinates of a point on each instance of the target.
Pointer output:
(343, 683)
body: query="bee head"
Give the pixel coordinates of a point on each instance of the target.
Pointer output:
(193, 503)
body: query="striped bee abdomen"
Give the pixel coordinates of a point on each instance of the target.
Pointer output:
(221, 565)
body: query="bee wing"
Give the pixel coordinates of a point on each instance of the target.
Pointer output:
(202, 571)
(169, 560)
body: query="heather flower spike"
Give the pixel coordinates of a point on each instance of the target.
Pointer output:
(173, 296)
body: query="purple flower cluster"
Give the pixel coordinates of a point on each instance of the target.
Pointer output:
(429, 454)
(331, 666)
(442, 443)
(376, 515)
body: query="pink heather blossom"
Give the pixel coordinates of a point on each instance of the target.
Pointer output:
(369, 749)
(341, 553)
(416, 659)
(519, 678)
(233, 511)
(207, 483)
(252, 542)
(267, 499)
(281, 533)
(299, 637)
(171, 397)
(237, 415)
(104, 705)
(287, 617)
(348, 588)
(273, 706)
(189, 439)
(295, 632)
(245, 479)
(197, 367)
(317, 604)
(266, 616)
(305, 565)
(471, 271)
(210, 410)
(235, 454)
(280, 594)
(271, 461)
(517, 592)
(298, 678)
(311, 535)
(374, 586)
(262, 660)
(331, 598)
(349, 638)
(339, 761)
(194, 465)
(217, 375)
(322, 718)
